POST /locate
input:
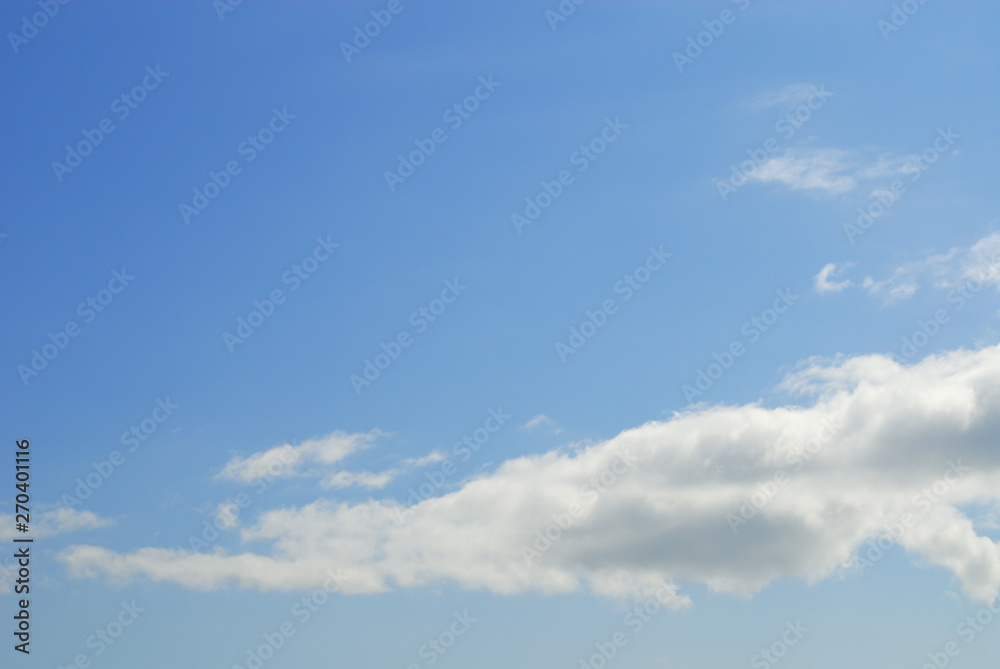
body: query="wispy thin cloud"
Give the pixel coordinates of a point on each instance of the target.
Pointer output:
(370, 480)
(830, 171)
(51, 523)
(979, 262)
(788, 96)
(429, 459)
(539, 421)
(823, 283)
(286, 460)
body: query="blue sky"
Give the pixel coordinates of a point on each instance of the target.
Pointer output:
(622, 253)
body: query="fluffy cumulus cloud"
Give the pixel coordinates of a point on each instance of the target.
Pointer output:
(729, 496)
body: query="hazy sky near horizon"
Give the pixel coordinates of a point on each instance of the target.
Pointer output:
(542, 334)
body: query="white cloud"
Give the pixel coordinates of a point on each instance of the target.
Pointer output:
(886, 197)
(314, 456)
(832, 171)
(899, 286)
(981, 262)
(973, 267)
(227, 515)
(831, 270)
(990, 520)
(429, 459)
(538, 421)
(789, 95)
(44, 524)
(369, 480)
(51, 523)
(287, 460)
(891, 431)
